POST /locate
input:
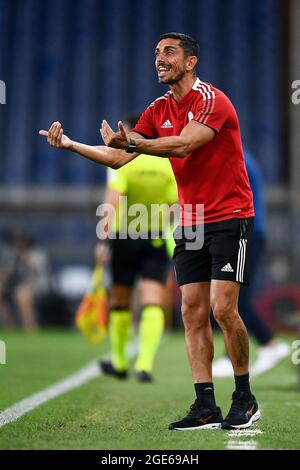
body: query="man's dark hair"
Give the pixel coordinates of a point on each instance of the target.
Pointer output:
(188, 44)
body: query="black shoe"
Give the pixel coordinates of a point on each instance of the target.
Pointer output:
(143, 376)
(243, 412)
(199, 417)
(108, 368)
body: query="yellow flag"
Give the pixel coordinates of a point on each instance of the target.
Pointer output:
(91, 315)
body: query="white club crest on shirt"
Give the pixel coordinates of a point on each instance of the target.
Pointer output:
(190, 116)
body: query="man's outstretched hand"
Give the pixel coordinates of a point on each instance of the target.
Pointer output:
(56, 137)
(117, 140)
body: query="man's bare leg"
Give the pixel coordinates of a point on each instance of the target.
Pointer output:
(198, 333)
(204, 413)
(224, 302)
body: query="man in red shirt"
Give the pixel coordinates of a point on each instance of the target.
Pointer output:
(196, 126)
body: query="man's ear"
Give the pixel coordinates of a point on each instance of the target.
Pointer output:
(191, 62)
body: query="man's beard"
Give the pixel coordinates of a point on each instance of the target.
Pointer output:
(172, 80)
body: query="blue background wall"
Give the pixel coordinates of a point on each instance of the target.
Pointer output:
(80, 61)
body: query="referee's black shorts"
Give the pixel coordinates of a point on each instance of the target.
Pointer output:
(143, 258)
(224, 255)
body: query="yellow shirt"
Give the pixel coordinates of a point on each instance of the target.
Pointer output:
(147, 182)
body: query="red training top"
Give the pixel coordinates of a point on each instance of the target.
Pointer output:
(215, 174)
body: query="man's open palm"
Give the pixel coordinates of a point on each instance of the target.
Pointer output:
(118, 140)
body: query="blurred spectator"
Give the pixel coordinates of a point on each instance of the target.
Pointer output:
(24, 278)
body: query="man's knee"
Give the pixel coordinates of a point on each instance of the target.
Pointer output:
(194, 315)
(224, 312)
(224, 302)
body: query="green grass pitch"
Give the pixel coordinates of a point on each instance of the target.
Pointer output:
(109, 414)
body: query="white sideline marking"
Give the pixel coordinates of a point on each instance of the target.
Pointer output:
(242, 445)
(14, 412)
(239, 445)
(84, 375)
(245, 432)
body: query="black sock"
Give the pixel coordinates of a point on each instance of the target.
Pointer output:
(205, 395)
(242, 383)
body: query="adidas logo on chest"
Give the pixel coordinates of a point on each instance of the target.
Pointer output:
(167, 125)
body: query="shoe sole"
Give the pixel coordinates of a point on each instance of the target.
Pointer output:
(252, 420)
(205, 426)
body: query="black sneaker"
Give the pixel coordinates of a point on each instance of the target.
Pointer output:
(143, 376)
(199, 417)
(109, 369)
(243, 412)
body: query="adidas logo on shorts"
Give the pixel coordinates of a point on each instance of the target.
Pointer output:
(227, 268)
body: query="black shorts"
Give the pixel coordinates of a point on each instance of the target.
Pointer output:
(144, 258)
(225, 254)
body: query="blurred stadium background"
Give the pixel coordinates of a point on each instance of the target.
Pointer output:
(82, 61)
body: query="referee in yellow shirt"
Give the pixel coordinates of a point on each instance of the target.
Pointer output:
(135, 254)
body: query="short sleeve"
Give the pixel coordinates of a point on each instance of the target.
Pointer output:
(216, 109)
(145, 125)
(116, 180)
